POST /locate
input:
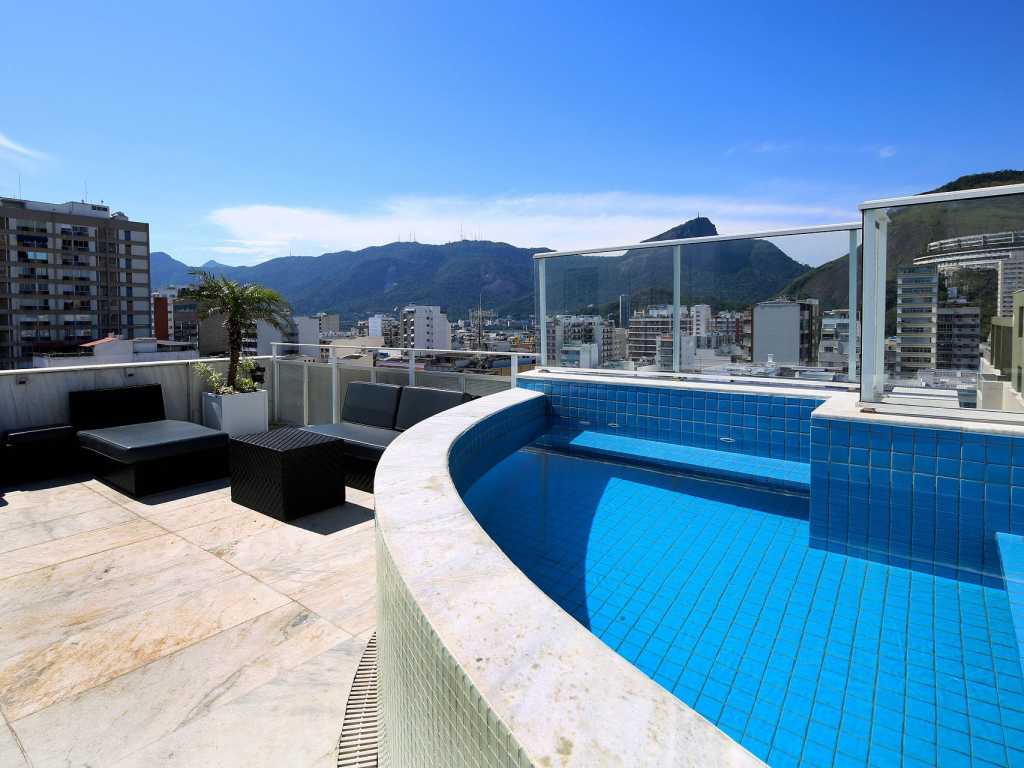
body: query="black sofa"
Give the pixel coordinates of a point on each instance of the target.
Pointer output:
(132, 446)
(373, 415)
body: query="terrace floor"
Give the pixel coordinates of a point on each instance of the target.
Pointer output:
(181, 629)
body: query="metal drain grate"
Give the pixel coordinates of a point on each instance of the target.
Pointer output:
(357, 747)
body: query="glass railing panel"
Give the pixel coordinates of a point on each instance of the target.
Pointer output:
(769, 306)
(291, 392)
(319, 393)
(953, 326)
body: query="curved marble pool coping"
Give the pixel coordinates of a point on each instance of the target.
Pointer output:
(564, 697)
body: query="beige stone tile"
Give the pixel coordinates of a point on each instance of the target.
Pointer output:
(237, 525)
(349, 603)
(82, 577)
(37, 509)
(293, 720)
(337, 521)
(71, 610)
(47, 494)
(176, 518)
(155, 701)
(324, 563)
(71, 547)
(292, 559)
(179, 497)
(62, 527)
(39, 678)
(11, 755)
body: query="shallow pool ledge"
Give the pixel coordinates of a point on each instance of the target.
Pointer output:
(477, 665)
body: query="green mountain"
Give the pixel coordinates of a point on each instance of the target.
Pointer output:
(730, 274)
(911, 229)
(459, 275)
(380, 278)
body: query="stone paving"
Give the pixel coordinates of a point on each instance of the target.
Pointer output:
(181, 629)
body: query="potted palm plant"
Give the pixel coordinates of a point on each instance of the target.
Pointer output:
(234, 404)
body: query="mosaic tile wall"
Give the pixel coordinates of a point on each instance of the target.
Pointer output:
(927, 499)
(760, 425)
(489, 441)
(430, 712)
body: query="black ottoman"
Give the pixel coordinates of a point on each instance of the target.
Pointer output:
(38, 453)
(287, 473)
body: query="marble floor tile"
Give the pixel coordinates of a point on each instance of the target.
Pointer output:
(176, 498)
(293, 720)
(72, 611)
(28, 511)
(49, 493)
(80, 577)
(349, 602)
(324, 562)
(123, 716)
(294, 557)
(227, 530)
(11, 755)
(177, 518)
(82, 544)
(62, 527)
(39, 678)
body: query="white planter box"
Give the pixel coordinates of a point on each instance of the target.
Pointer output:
(244, 413)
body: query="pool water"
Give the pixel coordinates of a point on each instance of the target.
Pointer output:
(805, 657)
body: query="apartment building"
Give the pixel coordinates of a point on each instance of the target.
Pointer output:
(425, 327)
(917, 301)
(163, 302)
(786, 331)
(574, 330)
(933, 335)
(958, 337)
(834, 346)
(69, 273)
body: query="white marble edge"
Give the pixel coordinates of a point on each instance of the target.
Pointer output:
(566, 697)
(848, 407)
(702, 386)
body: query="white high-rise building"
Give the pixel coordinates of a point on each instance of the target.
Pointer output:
(425, 327)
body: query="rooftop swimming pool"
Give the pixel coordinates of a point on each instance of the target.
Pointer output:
(709, 587)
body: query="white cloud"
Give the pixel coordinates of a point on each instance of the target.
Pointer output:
(254, 233)
(20, 150)
(886, 152)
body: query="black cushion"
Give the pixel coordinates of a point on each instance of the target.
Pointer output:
(151, 440)
(373, 404)
(116, 406)
(419, 403)
(361, 441)
(47, 434)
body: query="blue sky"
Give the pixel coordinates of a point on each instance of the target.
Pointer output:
(245, 131)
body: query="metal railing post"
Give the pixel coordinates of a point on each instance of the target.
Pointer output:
(412, 368)
(276, 367)
(514, 370)
(873, 316)
(677, 262)
(335, 416)
(305, 393)
(852, 335)
(542, 310)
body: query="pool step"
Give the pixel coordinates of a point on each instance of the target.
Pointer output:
(1011, 555)
(758, 470)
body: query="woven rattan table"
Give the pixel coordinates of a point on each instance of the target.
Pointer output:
(287, 473)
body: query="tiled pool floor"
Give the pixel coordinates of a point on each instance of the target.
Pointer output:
(806, 657)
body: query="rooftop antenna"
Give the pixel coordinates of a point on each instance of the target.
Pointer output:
(19, 184)
(86, 198)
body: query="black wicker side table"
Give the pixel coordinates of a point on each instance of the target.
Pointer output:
(287, 473)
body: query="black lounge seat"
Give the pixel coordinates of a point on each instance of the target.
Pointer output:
(373, 415)
(35, 453)
(132, 446)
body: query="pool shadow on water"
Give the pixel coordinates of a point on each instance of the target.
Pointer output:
(541, 508)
